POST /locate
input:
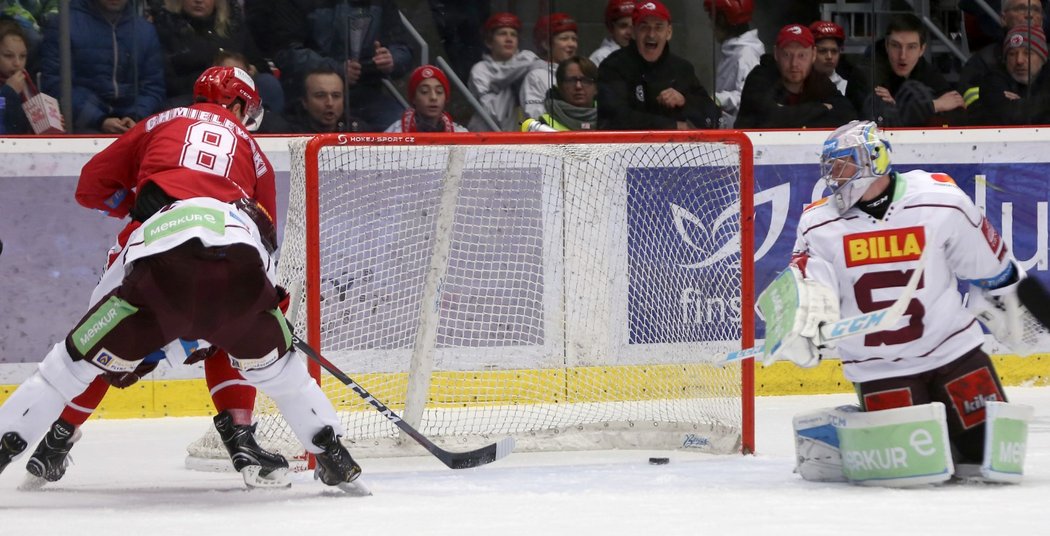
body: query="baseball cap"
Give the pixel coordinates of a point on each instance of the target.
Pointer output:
(650, 8)
(795, 33)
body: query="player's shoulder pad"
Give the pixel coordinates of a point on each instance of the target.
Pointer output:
(919, 182)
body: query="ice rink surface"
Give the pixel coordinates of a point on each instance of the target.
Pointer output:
(128, 479)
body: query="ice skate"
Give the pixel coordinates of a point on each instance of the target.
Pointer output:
(259, 468)
(335, 466)
(51, 457)
(11, 445)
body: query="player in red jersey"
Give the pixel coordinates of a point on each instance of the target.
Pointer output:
(200, 152)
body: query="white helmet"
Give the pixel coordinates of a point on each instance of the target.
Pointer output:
(863, 144)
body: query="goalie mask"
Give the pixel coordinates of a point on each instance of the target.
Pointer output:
(224, 86)
(853, 157)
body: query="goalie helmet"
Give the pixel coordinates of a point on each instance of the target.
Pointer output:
(853, 157)
(224, 85)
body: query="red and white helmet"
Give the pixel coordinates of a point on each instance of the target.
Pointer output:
(735, 11)
(224, 85)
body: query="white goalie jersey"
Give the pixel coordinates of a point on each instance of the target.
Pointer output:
(873, 259)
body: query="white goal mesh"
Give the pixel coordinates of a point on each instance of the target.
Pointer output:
(572, 295)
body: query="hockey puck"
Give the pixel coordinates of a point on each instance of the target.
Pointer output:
(659, 461)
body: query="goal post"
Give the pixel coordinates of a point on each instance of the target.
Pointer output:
(573, 290)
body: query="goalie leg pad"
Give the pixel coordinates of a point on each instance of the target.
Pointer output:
(1005, 441)
(899, 447)
(300, 399)
(817, 454)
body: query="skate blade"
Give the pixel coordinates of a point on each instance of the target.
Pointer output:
(32, 483)
(355, 488)
(277, 478)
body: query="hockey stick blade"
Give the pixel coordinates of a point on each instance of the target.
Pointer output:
(1036, 299)
(454, 460)
(856, 325)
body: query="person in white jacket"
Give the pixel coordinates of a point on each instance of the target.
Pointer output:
(619, 25)
(557, 40)
(739, 52)
(497, 78)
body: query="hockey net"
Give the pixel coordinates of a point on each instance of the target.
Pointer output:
(575, 295)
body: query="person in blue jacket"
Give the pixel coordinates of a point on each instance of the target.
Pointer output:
(118, 66)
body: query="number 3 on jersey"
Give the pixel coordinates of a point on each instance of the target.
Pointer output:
(209, 148)
(864, 290)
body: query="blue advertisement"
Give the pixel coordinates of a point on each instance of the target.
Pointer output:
(682, 226)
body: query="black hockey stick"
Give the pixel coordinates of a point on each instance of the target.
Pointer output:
(455, 460)
(1036, 299)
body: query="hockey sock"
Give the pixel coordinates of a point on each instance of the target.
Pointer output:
(80, 408)
(300, 399)
(228, 388)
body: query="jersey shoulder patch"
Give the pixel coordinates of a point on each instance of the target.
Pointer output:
(815, 204)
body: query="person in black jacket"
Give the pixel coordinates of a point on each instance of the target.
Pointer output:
(784, 91)
(643, 86)
(1019, 93)
(908, 90)
(989, 58)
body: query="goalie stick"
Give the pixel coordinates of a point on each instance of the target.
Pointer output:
(1036, 299)
(855, 325)
(454, 460)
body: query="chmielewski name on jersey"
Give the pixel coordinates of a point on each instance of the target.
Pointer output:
(196, 115)
(892, 245)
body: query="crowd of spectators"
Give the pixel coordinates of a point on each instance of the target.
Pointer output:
(335, 66)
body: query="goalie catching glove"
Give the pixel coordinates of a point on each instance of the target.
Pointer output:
(794, 308)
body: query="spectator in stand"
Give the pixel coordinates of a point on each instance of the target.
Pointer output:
(320, 109)
(739, 52)
(829, 38)
(13, 52)
(457, 23)
(274, 122)
(990, 58)
(571, 102)
(496, 79)
(118, 66)
(784, 91)
(556, 40)
(362, 39)
(645, 86)
(908, 90)
(193, 32)
(428, 92)
(618, 24)
(1018, 94)
(32, 16)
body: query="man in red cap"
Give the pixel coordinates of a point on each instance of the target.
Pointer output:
(556, 41)
(785, 92)
(643, 86)
(829, 38)
(496, 79)
(739, 51)
(428, 92)
(618, 23)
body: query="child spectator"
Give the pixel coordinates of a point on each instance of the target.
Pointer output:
(572, 105)
(830, 62)
(13, 52)
(739, 52)
(118, 66)
(192, 32)
(495, 80)
(618, 24)
(557, 41)
(428, 92)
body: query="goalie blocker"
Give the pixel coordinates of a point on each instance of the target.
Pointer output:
(904, 447)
